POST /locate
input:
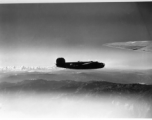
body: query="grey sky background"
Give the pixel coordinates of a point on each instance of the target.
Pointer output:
(36, 34)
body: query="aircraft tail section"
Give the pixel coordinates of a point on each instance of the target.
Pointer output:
(60, 62)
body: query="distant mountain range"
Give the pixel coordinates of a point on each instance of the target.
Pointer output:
(75, 87)
(77, 82)
(126, 77)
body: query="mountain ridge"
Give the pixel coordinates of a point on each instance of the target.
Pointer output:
(99, 87)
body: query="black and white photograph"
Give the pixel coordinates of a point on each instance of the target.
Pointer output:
(76, 60)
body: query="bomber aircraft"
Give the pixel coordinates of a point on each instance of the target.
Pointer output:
(60, 62)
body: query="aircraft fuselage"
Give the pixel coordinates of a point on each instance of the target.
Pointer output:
(79, 65)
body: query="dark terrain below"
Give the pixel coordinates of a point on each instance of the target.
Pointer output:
(64, 94)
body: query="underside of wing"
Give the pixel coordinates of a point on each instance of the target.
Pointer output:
(132, 45)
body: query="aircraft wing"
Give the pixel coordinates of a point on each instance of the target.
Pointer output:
(86, 63)
(132, 45)
(78, 63)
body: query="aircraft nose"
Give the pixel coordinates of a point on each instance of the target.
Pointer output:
(102, 64)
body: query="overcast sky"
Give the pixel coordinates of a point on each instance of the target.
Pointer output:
(36, 34)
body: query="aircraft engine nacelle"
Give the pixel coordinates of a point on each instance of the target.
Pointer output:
(60, 61)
